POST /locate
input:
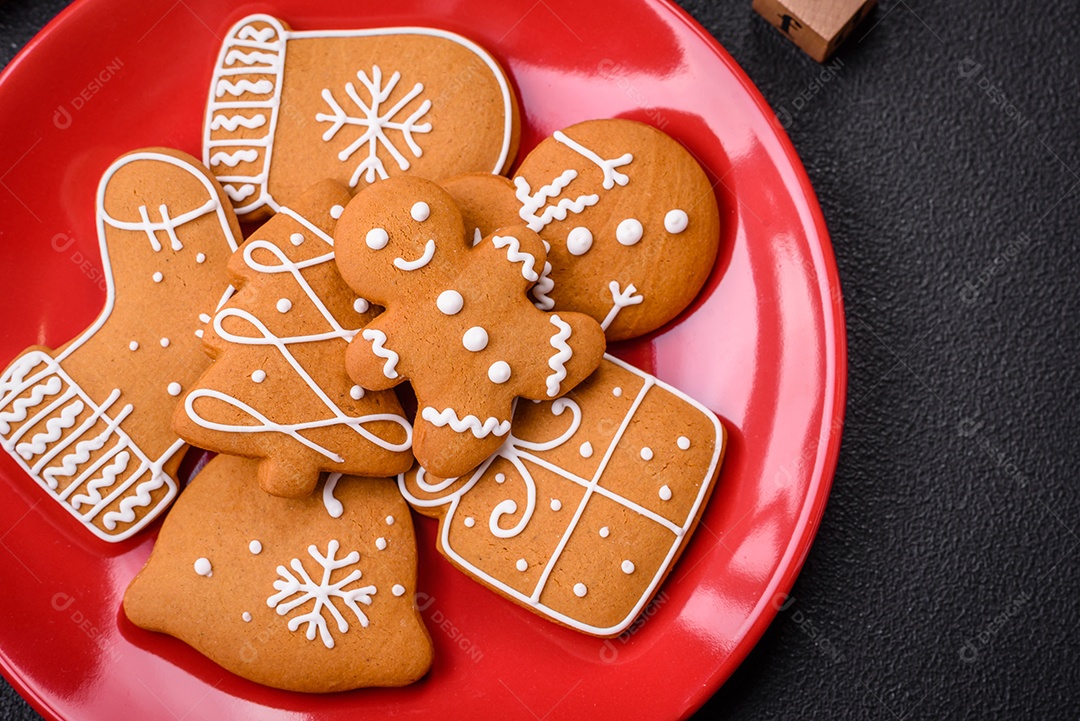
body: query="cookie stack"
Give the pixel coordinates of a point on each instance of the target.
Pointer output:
(392, 250)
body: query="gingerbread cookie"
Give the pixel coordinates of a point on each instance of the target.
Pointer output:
(314, 594)
(458, 321)
(290, 108)
(90, 421)
(630, 217)
(278, 390)
(584, 509)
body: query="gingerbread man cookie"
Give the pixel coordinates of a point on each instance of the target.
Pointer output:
(315, 594)
(629, 215)
(90, 422)
(289, 108)
(458, 321)
(278, 390)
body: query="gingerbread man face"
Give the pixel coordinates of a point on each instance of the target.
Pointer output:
(459, 322)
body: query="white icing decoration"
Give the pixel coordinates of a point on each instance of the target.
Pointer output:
(199, 333)
(389, 520)
(398, 590)
(200, 258)
(284, 305)
(586, 450)
(499, 372)
(563, 353)
(500, 478)
(336, 211)
(333, 505)
(378, 347)
(629, 232)
(260, 87)
(246, 616)
(356, 393)
(683, 443)
(418, 263)
(296, 238)
(133, 345)
(204, 318)
(234, 158)
(676, 221)
(377, 238)
(469, 423)
(646, 454)
(534, 201)
(376, 121)
(301, 589)
(543, 287)
(605, 532)
(255, 547)
(174, 389)
(621, 299)
(203, 567)
(380, 543)
(420, 210)
(449, 302)
(158, 277)
(616, 391)
(164, 342)
(361, 306)
(475, 339)
(665, 492)
(476, 237)
(522, 565)
(232, 122)
(607, 166)
(514, 254)
(579, 241)
(258, 376)
(556, 504)
(580, 590)
(627, 567)
(469, 521)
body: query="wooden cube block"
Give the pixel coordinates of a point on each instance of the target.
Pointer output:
(819, 27)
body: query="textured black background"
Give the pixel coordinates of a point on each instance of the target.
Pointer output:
(944, 146)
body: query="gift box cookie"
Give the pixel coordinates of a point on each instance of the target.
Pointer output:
(287, 109)
(581, 513)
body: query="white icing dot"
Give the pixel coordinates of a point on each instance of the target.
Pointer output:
(556, 504)
(579, 241)
(475, 339)
(336, 211)
(296, 238)
(616, 391)
(133, 345)
(522, 565)
(246, 616)
(586, 450)
(377, 238)
(683, 442)
(628, 567)
(200, 258)
(258, 376)
(203, 567)
(380, 543)
(284, 305)
(580, 590)
(629, 232)
(449, 302)
(356, 393)
(420, 212)
(646, 454)
(174, 389)
(469, 521)
(158, 277)
(199, 333)
(389, 520)
(398, 590)
(360, 305)
(255, 547)
(500, 478)
(499, 372)
(665, 493)
(204, 317)
(604, 532)
(164, 342)
(676, 221)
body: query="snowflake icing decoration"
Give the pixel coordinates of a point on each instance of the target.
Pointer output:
(300, 588)
(376, 122)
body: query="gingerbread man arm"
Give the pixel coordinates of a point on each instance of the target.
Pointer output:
(516, 245)
(371, 359)
(574, 348)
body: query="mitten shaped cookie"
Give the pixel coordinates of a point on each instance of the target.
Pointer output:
(629, 215)
(582, 512)
(289, 108)
(314, 594)
(278, 390)
(458, 321)
(90, 421)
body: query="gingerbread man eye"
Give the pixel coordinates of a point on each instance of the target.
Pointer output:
(579, 241)
(629, 232)
(676, 221)
(377, 238)
(420, 212)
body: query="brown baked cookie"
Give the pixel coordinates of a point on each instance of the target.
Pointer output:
(288, 108)
(629, 215)
(314, 594)
(458, 320)
(90, 421)
(278, 390)
(582, 512)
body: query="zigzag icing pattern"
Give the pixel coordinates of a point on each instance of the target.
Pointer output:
(18, 411)
(234, 158)
(232, 122)
(378, 347)
(515, 255)
(54, 428)
(143, 496)
(249, 58)
(563, 353)
(470, 422)
(116, 466)
(259, 87)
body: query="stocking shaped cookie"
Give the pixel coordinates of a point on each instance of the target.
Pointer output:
(90, 422)
(289, 108)
(629, 215)
(278, 390)
(314, 594)
(581, 513)
(458, 321)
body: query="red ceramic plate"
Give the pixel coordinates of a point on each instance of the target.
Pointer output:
(763, 346)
